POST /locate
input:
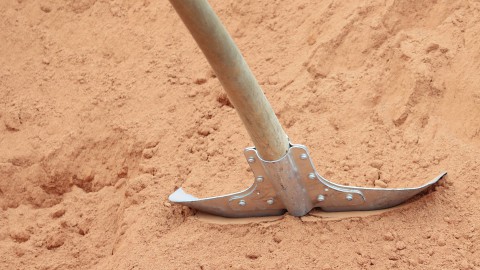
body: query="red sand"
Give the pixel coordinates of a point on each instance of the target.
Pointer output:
(108, 106)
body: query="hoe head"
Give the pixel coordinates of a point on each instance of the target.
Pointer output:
(292, 184)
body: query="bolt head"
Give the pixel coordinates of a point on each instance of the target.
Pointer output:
(242, 203)
(311, 176)
(259, 179)
(349, 197)
(303, 156)
(251, 160)
(270, 201)
(321, 198)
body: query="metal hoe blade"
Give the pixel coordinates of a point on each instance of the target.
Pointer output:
(292, 184)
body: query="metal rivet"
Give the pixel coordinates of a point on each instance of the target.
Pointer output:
(349, 197)
(321, 198)
(311, 176)
(270, 201)
(242, 203)
(259, 179)
(303, 156)
(251, 160)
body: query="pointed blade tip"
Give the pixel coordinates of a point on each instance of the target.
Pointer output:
(180, 196)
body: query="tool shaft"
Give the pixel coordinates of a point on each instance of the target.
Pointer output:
(235, 76)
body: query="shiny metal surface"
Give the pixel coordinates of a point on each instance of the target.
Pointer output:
(292, 183)
(286, 181)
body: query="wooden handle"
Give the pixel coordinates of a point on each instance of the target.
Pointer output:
(235, 76)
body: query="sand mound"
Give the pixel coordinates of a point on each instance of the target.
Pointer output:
(108, 106)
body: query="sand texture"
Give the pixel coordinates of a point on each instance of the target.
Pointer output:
(107, 107)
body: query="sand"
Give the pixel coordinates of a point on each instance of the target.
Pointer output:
(106, 107)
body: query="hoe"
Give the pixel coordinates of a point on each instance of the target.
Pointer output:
(285, 178)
